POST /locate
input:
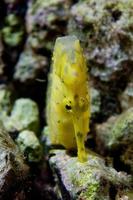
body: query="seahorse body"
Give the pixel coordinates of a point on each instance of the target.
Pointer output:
(68, 102)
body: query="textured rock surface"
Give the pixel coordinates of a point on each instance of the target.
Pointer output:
(103, 27)
(29, 145)
(125, 195)
(13, 31)
(24, 115)
(5, 101)
(89, 181)
(43, 21)
(30, 66)
(95, 102)
(103, 134)
(12, 167)
(127, 157)
(126, 98)
(117, 132)
(122, 131)
(1, 59)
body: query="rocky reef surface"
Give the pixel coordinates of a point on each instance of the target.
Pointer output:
(90, 180)
(13, 169)
(29, 169)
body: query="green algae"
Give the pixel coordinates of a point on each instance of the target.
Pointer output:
(122, 131)
(5, 101)
(29, 145)
(24, 115)
(90, 180)
(13, 31)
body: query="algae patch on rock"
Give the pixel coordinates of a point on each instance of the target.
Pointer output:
(95, 102)
(105, 29)
(13, 31)
(29, 145)
(117, 131)
(126, 98)
(45, 21)
(122, 131)
(12, 167)
(5, 101)
(89, 181)
(30, 65)
(24, 115)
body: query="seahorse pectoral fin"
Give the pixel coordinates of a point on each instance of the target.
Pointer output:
(80, 138)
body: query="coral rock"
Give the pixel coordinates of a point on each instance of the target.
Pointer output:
(104, 27)
(5, 101)
(13, 31)
(12, 166)
(117, 132)
(24, 115)
(46, 20)
(30, 66)
(29, 145)
(90, 180)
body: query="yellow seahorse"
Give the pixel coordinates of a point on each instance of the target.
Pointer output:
(68, 101)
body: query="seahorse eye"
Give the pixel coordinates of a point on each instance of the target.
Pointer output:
(68, 107)
(67, 104)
